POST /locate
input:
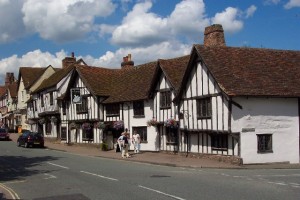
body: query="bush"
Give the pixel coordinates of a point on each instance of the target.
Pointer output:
(104, 146)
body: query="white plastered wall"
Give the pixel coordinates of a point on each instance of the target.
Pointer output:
(276, 116)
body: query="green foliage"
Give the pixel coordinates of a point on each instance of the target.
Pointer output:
(104, 146)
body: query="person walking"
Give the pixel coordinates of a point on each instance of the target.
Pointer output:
(124, 145)
(137, 142)
(120, 143)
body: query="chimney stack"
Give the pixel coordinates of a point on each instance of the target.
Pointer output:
(67, 61)
(214, 36)
(127, 62)
(9, 79)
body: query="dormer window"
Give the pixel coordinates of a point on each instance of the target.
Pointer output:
(83, 107)
(165, 99)
(204, 109)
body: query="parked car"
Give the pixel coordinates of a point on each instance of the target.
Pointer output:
(4, 135)
(30, 139)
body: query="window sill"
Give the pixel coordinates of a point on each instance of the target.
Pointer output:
(264, 152)
(82, 112)
(171, 143)
(139, 116)
(112, 115)
(219, 149)
(84, 139)
(204, 117)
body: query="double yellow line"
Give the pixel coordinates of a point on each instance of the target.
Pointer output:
(12, 194)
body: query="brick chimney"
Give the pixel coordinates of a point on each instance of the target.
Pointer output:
(9, 78)
(214, 35)
(127, 62)
(67, 61)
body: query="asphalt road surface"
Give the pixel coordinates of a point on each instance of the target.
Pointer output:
(43, 174)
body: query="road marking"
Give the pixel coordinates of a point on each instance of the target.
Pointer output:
(58, 165)
(12, 182)
(49, 176)
(297, 184)
(113, 179)
(225, 174)
(277, 183)
(239, 176)
(12, 193)
(157, 191)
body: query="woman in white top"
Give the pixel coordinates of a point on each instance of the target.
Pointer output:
(136, 141)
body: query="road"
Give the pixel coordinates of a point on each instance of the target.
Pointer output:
(43, 174)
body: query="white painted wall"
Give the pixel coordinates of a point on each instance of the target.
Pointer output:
(276, 116)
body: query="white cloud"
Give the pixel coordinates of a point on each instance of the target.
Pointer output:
(64, 21)
(140, 55)
(229, 20)
(292, 4)
(250, 11)
(11, 25)
(35, 58)
(140, 25)
(189, 23)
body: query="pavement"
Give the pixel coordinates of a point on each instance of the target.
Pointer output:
(156, 158)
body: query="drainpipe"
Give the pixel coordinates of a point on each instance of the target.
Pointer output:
(187, 141)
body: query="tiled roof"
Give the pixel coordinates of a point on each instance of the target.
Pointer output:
(13, 89)
(99, 80)
(174, 69)
(30, 75)
(253, 71)
(119, 85)
(133, 83)
(2, 91)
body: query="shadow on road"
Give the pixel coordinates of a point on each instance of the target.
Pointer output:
(19, 167)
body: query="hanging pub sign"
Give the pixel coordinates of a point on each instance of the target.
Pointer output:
(75, 95)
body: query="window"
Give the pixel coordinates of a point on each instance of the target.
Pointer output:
(142, 131)
(64, 108)
(42, 100)
(138, 108)
(264, 143)
(22, 95)
(34, 106)
(83, 107)
(48, 128)
(219, 142)
(87, 134)
(51, 98)
(112, 109)
(165, 99)
(63, 134)
(172, 136)
(204, 108)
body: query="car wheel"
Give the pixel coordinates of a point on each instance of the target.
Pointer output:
(26, 145)
(18, 143)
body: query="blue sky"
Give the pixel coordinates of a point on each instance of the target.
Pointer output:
(38, 33)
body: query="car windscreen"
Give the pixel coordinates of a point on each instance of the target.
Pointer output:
(2, 130)
(38, 134)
